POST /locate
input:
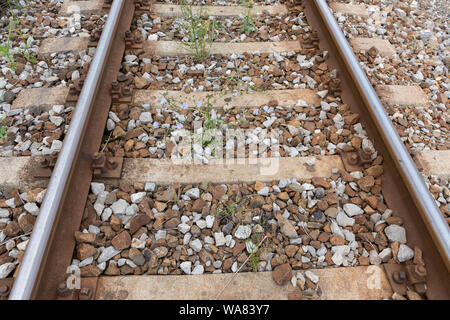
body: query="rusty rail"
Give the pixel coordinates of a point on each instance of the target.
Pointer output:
(408, 194)
(49, 251)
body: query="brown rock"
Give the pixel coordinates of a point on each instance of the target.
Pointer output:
(198, 205)
(323, 237)
(138, 221)
(321, 182)
(122, 240)
(365, 183)
(172, 223)
(394, 220)
(290, 250)
(337, 240)
(26, 222)
(85, 251)
(115, 223)
(158, 224)
(239, 246)
(12, 229)
(259, 185)
(282, 274)
(112, 270)
(84, 237)
(145, 207)
(160, 206)
(90, 271)
(283, 196)
(375, 171)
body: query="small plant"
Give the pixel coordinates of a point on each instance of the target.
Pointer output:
(6, 49)
(247, 3)
(14, 26)
(255, 252)
(248, 26)
(3, 130)
(200, 31)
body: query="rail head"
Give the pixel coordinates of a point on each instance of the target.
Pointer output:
(36, 250)
(425, 204)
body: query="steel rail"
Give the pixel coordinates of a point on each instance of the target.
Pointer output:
(430, 214)
(33, 258)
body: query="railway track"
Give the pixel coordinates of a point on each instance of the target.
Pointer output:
(267, 168)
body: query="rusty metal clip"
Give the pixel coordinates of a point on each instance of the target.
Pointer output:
(133, 41)
(74, 91)
(46, 165)
(106, 167)
(94, 38)
(142, 6)
(121, 94)
(417, 276)
(4, 290)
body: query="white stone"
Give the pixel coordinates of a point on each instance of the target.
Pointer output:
(405, 253)
(86, 262)
(107, 254)
(4, 213)
(137, 197)
(198, 270)
(10, 203)
(196, 245)
(32, 208)
(150, 186)
(243, 232)
(97, 187)
(395, 233)
(385, 255)
(312, 276)
(219, 238)
(343, 220)
(193, 193)
(145, 117)
(352, 209)
(201, 224)
(119, 207)
(6, 268)
(186, 267)
(209, 221)
(106, 214)
(183, 228)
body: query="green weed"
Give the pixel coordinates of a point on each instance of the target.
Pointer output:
(200, 31)
(248, 26)
(3, 130)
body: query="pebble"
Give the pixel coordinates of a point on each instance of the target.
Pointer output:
(395, 233)
(196, 245)
(405, 253)
(186, 267)
(107, 254)
(32, 208)
(193, 193)
(243, 232)
(352, 209)
(198, 270)
(344, 221)
(219, 239)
